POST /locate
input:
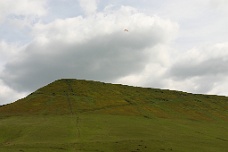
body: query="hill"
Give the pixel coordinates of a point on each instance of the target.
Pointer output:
(69, 96)
(79, 115)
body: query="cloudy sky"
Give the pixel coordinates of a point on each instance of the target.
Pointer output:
(170, 44)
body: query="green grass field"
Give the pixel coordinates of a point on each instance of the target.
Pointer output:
(110, 133)
(87, 116)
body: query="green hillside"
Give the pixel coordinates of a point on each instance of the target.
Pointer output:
(79, 115)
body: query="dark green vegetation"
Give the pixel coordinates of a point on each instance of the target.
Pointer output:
(88, 116)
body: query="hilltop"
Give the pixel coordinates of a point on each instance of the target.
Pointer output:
(67, 96)
(78, 115)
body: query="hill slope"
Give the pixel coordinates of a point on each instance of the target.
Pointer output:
(68, 96)
(77, 115)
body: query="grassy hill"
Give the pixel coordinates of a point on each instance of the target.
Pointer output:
(78, 115)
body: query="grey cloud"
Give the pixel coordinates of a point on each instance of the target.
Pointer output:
(205, 71)
(189, 69)
(206, 83)
(103, 58)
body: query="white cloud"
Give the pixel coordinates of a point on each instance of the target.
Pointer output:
(201, 22)
(218, 4)
(79, 29)
(89, 6)
(21, 8)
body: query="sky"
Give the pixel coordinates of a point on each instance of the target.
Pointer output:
(169, 44)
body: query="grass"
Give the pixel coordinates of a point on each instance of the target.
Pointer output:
(76, 115)
(110, 133)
